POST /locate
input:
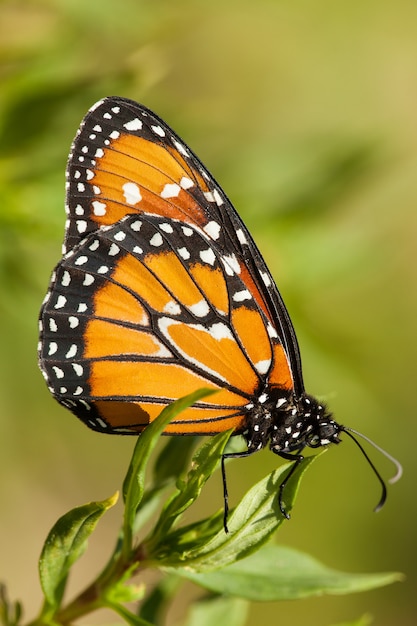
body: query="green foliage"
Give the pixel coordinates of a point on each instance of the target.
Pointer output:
(219, 610)
(64, 545)
(280, 573)
(234, 567)
(134, 484)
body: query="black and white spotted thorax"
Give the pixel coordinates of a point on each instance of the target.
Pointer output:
(289, 424)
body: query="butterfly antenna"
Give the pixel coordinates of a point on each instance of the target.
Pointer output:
(393, 460)
(397, 464)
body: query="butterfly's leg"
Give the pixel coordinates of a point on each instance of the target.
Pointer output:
(230, 455)
(297, 458)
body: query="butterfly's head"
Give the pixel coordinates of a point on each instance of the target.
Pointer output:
(306, 422)
(321, 429)
(303, 422)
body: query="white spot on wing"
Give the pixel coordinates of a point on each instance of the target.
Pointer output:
(187, 231)
(212, 229)
(81, 226)
(170, 190)
(240, 296)
(180, 148)
(131, 193)
(241, 236)
(88, 280)
(172, 307)
(231, 264)
(99, 208)
(208, 256)
(60, 302)
(135, 124)
(220, 331)
(200, 309)
(73, 321)
(271, 331)
(78, 369)
(66, 279)
(72, 351)
(186, 183)
(114, 249)
(58, 371)
(136, 226)
(156, 240)
(217, 198)
(263, 366)
(183, 252)
(266, 279)
(158, 131)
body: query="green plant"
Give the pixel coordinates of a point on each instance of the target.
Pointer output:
(234, 567)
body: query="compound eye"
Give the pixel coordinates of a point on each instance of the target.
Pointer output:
(314, 441)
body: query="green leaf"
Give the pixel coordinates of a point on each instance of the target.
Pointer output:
(148, 507)
(134, 483)
(281, 573)
(203, 464)
(218, 610)
(185, 539)
(251, 524)
(65, 543)
(173, 459)
(170, 463)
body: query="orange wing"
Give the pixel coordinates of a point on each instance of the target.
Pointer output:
(161, 290)
(125, 160)
(142, 313)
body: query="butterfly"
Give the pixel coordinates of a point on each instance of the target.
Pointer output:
(160, 291)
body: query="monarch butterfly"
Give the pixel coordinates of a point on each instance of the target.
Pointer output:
(161, 290)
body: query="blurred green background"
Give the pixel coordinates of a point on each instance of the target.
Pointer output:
(306, 113)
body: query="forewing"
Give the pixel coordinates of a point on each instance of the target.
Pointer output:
(125, 160)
